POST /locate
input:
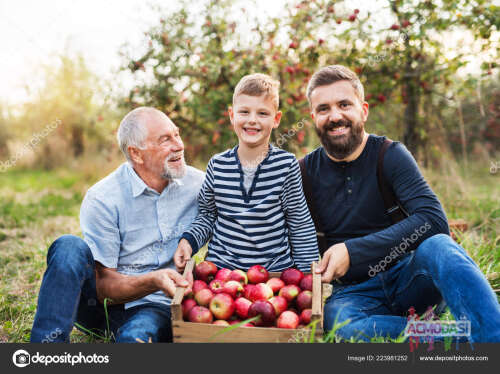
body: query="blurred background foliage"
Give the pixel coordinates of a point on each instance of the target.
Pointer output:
(413, 57)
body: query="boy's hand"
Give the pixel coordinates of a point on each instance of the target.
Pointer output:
(182, 255)
(335, 263)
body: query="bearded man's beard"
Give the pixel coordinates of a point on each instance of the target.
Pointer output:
(341, 146)
(171, 173)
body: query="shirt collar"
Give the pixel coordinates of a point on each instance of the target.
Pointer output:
(138, 185)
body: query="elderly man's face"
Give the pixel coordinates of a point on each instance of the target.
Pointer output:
(339, 116)
(164, 150)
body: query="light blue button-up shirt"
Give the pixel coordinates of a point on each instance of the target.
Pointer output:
(135, 229)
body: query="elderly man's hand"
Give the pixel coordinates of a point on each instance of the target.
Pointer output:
(167, 280)
(182, 255)
(335, 263)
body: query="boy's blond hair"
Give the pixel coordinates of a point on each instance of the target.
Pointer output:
(257, 85)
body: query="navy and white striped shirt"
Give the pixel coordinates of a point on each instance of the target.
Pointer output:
(269, 226)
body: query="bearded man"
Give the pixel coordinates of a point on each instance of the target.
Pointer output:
(131, 222)
(382, 259)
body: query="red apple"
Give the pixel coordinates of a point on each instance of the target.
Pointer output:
(221, 322)
(279, 303)
(203, 297)
(247, 290)
(257, 274)
(187, 305)
(234, 322)
(265, 310)
(205, 271)
(239, 276)
(292, 276)
(222, 306)
(288, 320)
(306, 283)
(216, 286)
(261, 291)
(233, 288)
(304, 300)
(198, 285)
(289, 292)
(200, 314)
(241, 307)
(305, 316)
(276, 284)
(223, 275)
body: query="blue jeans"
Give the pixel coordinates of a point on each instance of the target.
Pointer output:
(68, 295)
(438, 269)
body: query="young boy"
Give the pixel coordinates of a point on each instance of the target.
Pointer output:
(251, 202)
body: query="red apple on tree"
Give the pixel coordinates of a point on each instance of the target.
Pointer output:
(233, 288)
(205, 271)
(292, 276)
(290, 292)
(239, 276)
(257, 274)
(304, 300)
(265, 311)
(222, 306)
(200, 314)
(241, 307)
(306, 283)
(279, 303)
(203, 297)
(276, 284)
(288, 320)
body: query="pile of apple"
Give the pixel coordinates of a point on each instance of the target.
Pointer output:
(226, 297)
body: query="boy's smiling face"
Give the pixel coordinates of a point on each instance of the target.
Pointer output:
(253, 118)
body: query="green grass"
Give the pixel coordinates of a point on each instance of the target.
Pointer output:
(38, 206)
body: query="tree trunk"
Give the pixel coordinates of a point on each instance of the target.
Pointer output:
(77, 141)
(411, 137)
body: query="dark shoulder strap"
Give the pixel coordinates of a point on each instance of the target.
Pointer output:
(392, 205)
(306, 185)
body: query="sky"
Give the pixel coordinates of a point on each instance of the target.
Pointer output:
(32, 32)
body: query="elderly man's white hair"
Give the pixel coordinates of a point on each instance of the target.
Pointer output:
(133, 130)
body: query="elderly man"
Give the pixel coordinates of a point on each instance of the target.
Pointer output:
(131, 222)
(384, 258)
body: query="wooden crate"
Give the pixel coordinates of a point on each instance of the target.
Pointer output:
(189, 332)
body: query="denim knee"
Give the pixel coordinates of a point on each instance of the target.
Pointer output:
(70, 252)
(437, 250)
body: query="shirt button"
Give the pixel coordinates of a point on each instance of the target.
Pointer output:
(348, 178)
(349, 191)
